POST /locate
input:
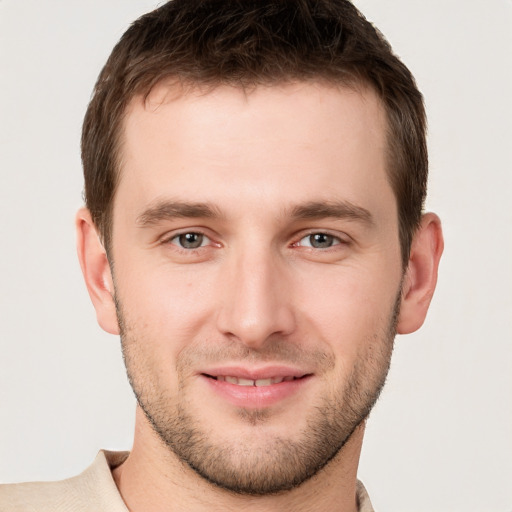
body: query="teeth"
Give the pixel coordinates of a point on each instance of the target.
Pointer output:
(263, 382)
(250, 382)
(245, 382)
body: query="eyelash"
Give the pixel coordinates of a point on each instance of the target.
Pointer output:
(334, 239)
(205, 241)
(178, 236)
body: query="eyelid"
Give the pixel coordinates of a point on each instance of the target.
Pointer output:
(170, 236)
(340, 238)
(204, 240)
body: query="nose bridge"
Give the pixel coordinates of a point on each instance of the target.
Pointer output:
(256, 301)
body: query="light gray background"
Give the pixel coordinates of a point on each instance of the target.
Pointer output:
(441, 437)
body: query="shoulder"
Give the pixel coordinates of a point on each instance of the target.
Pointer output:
(92, 490)
(39, 496)
(363, 500)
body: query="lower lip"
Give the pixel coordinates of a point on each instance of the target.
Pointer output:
(256, 397)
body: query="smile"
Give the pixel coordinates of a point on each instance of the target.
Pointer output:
(249, 382)
(255, 391)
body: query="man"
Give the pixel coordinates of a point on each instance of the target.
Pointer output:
(255, 174)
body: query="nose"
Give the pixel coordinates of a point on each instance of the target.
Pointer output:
(256, 303)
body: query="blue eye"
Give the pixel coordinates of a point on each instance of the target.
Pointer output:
(190, 240)
(319, 241)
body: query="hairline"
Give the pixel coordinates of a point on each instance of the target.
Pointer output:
(351, 81)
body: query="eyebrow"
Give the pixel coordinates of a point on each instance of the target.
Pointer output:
(332, 209)
(168, 210)
(315, 210)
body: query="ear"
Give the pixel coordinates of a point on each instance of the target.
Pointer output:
(421, 275)
(96, 271)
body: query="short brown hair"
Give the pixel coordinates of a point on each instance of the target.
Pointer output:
(246, 43)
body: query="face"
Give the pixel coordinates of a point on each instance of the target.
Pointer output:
(257, 274)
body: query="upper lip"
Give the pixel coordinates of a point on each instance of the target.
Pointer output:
(267, 372)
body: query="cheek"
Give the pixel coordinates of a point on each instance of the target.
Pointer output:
(166, 300)
(165, 313)
(349, 308)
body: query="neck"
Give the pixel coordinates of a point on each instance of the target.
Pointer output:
(153, 479)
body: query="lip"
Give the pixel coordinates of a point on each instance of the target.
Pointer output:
(255, 397)
(266, 372)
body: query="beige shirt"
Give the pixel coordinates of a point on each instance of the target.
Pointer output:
(94, 490)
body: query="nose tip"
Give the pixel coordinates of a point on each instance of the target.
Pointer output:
(255, 328)
(256, 305)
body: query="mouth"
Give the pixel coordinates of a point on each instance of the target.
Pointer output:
(239, 381)
(254, 389)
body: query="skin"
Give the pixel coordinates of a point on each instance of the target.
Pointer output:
(259, 291)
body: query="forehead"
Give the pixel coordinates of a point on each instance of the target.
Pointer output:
(302, 139)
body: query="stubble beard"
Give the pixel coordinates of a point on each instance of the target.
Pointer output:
(246, 466)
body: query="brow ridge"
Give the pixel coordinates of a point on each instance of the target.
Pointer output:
(332, 209)
(168, 210)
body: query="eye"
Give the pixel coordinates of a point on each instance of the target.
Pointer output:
(190, 240)
(319, 241)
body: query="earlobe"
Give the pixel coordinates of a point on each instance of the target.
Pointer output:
(421, 275)
(96, 271)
